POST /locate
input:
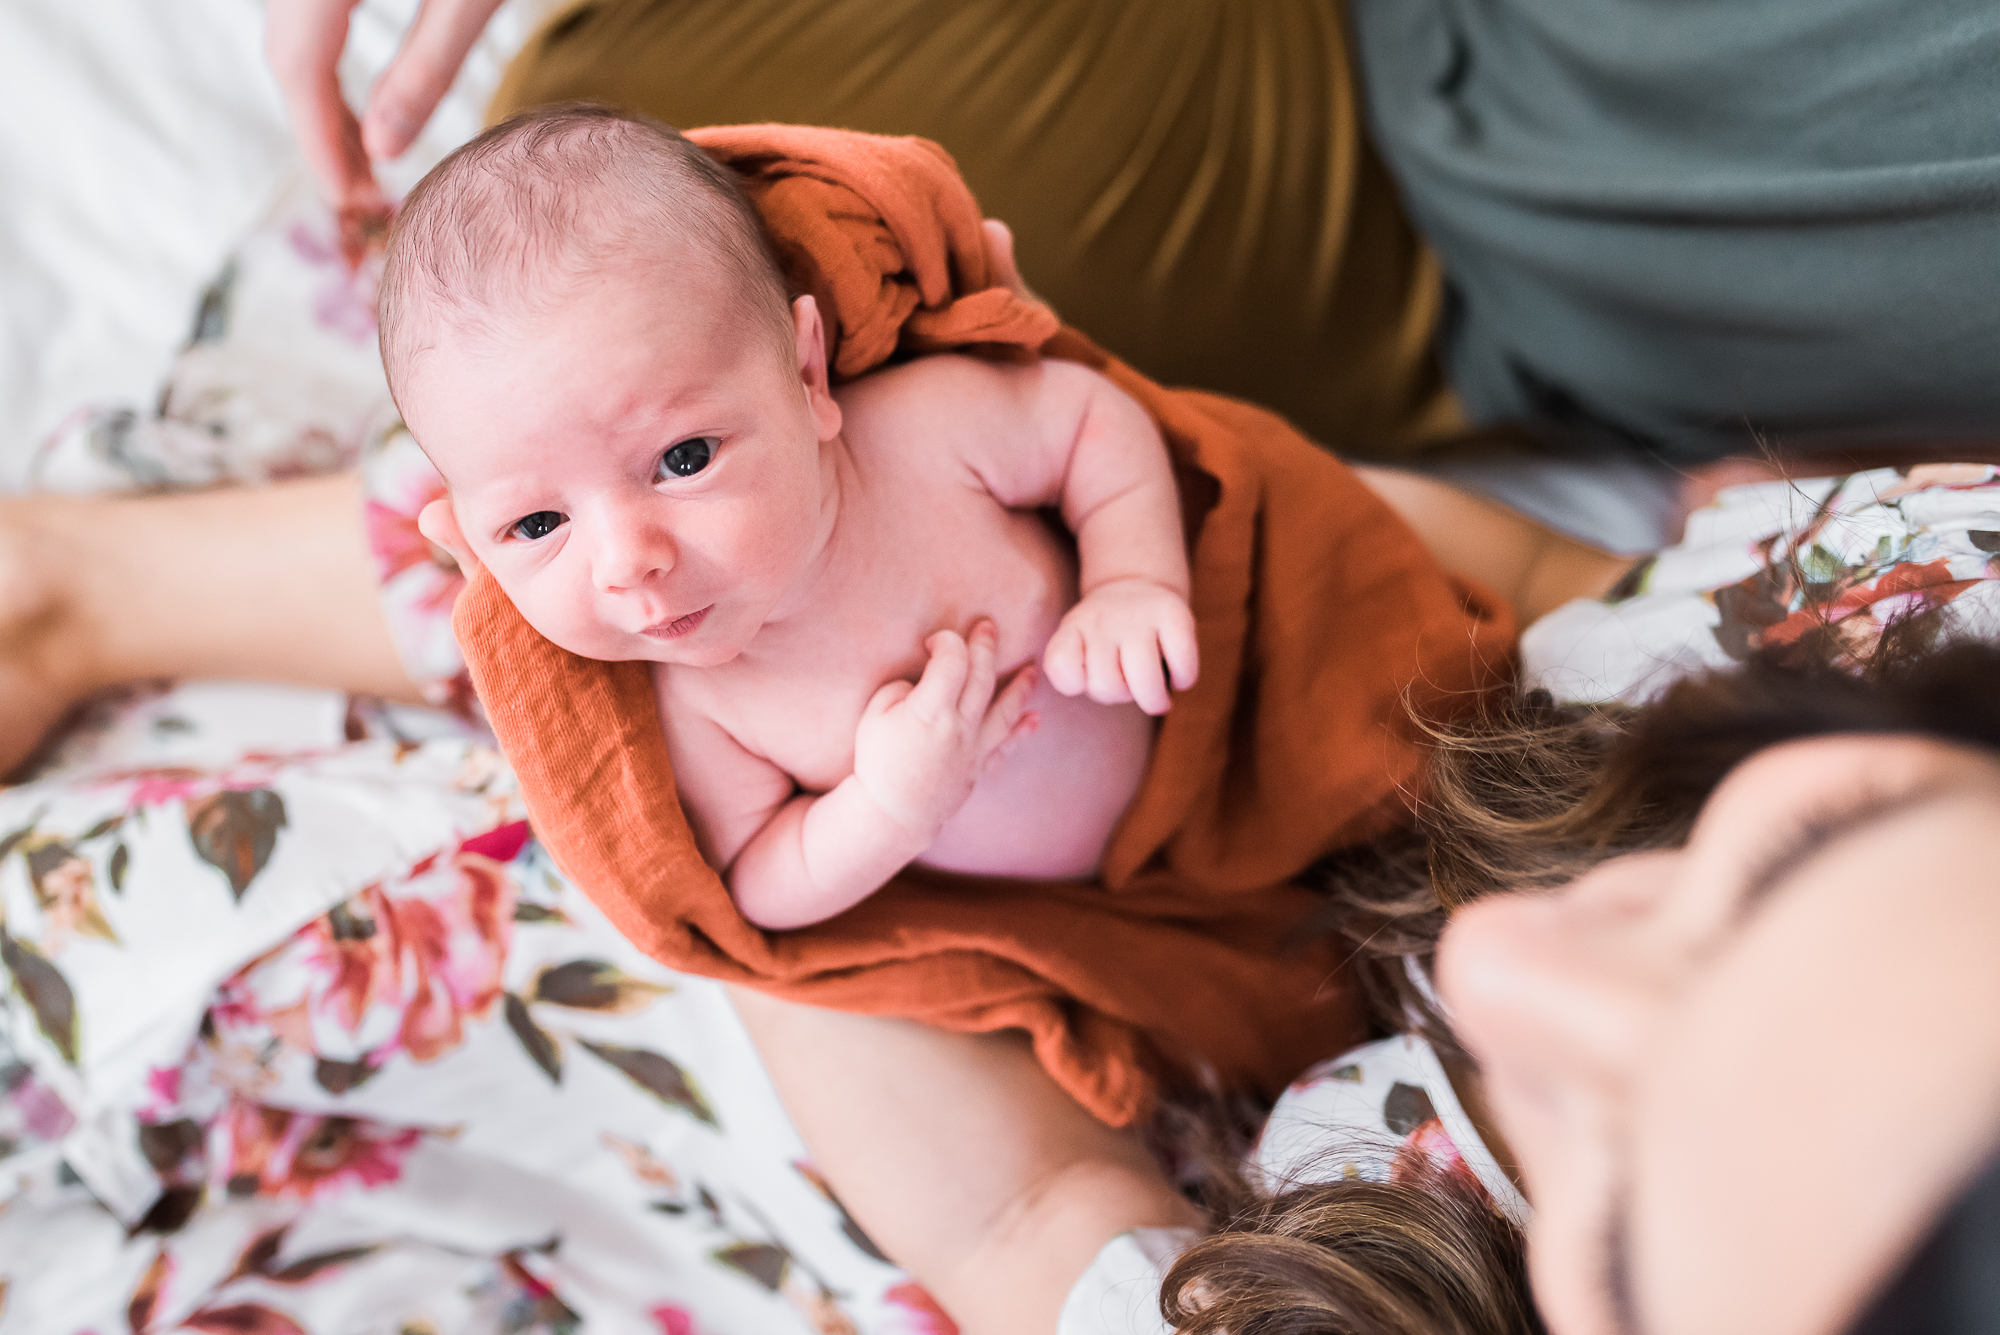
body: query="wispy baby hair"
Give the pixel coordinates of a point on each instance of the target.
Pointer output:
(509, 224)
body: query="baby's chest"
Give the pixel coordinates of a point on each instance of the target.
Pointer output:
(1020, 573)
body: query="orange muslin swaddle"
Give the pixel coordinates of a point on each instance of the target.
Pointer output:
(1322, 623)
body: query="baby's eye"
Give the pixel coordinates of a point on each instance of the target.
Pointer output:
(538, 525)
(687, 458)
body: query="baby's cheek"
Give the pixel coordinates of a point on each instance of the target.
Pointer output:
(562, 617)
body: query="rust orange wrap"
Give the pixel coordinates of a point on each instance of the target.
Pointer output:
(1321, 622)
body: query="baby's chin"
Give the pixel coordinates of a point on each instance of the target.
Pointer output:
(608, 644)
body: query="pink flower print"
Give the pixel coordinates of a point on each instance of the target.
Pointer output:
(1430, 1150)
(156, 787)
(674, 1320)
(438, 960)
(43, 1114)
(398, 544)
(919, 1313)
(1901, 589)
(66, 889)
(502, 844)
(298, 1156)
(345, 302)
(163, 1092)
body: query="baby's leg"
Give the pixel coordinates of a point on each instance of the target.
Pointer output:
(273, 583)
(1535, 569)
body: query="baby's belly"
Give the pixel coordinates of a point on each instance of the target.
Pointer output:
(1047, 810)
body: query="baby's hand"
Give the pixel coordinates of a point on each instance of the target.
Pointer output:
(1111, 643)
(920, 748)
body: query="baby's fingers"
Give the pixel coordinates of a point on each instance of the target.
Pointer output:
(1023, 726)
(1062, 661)
(1009, 719)
(1144, 677)
(1007, 707)
(980, 671)
(1107, 676)
(1180, 648)
(937, 690)
(891, 694)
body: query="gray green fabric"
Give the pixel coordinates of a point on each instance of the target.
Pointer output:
(1698, 224)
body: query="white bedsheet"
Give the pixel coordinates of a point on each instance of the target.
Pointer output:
(139, 141)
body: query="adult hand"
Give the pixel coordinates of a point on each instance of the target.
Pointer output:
(303, 40)
(1000, 255)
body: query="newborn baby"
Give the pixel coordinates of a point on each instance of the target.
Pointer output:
(844, 593)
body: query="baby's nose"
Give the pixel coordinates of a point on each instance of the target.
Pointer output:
(631, 555)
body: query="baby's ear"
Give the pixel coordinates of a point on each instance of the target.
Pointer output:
(810, 338)
(438, 522)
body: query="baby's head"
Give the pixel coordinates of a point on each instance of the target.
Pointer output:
(585, 330)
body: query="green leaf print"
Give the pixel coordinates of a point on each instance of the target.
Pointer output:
(235, 832)
(310, 1267)
(13, 840)
(121, 862)
(45, 990)
(146, 1293)
(242, 1319)
(337, 1077)
(761, 1261)
(1822, 566)
(658, 1076)
(595, 985)
(540, 1046)
(103, 827)
(526, 912)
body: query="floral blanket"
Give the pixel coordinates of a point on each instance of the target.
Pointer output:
(300, 1032)
(318, 1041)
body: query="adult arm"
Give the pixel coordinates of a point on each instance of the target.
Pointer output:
(1535, 569)
(961, 1158)
(303, 40)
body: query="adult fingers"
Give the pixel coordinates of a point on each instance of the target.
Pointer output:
(401, 103)
(1181, 649)
(1139, 661)
(980, 671)
(943, 678)
(303, 40)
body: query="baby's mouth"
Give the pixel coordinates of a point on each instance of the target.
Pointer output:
(679, 626)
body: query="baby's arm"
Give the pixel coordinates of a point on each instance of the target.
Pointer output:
(791, 858)
(1099, 457)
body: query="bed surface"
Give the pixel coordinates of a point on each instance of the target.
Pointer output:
(140, 142)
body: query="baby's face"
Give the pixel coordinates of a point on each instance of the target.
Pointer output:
(641, 471)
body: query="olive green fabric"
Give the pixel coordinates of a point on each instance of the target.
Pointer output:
(1186, 179)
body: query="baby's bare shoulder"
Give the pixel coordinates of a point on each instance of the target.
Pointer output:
(952, 406)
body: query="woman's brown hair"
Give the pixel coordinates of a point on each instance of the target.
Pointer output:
(1528, 798)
